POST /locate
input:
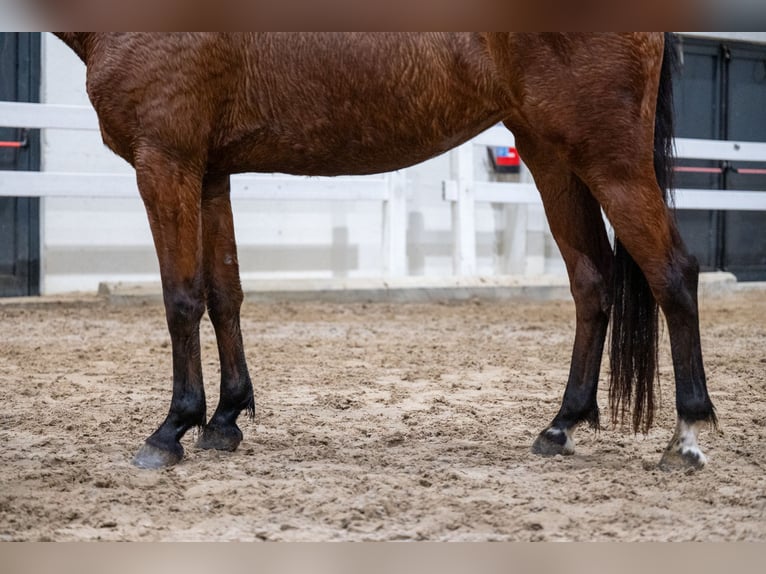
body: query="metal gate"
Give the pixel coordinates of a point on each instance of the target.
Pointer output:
(19, 150)
(721, 94)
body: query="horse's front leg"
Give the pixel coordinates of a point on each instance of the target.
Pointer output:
(576, 224)
(224, 299)
(588, 287)
(171, 192)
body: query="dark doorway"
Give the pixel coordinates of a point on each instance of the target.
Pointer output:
(19, 217)
(720, 94)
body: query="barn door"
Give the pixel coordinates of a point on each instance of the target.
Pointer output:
(720, 94)
(19, 150)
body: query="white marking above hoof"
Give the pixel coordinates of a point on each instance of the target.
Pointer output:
(683, 452)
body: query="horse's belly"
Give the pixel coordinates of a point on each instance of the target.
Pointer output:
(340, 148)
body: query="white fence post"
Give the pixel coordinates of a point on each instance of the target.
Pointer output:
(463, 212)
(535, 232)
(395, 226)
(514, 239)
(524, 234)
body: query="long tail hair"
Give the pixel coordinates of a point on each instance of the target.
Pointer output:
(635, 316)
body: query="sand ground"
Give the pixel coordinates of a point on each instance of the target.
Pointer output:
(373, 422)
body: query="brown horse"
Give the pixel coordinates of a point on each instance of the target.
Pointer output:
(592, 119)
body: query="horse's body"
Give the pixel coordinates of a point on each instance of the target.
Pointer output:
(316, 105)
(590, 120)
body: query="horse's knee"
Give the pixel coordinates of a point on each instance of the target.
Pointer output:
(184, 309)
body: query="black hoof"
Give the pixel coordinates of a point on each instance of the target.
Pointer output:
(150, 456)
(551, 442)
(220, 438)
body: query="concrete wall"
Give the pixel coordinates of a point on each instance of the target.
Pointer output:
(87, 241)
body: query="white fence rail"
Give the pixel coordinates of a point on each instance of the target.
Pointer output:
(36, 116)
(389, 189)
(464, 191)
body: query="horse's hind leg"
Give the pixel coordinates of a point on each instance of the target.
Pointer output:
(575, 221)
(644, 225)
(603, 102)
(171, 193)
(224, 299)
(678, 300)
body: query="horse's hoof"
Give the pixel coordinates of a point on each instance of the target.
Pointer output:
(553, 441)
(683, 452)
(220, 438)
(682, 459)
(150, 456)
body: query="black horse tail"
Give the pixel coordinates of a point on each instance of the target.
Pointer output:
(635, 316)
